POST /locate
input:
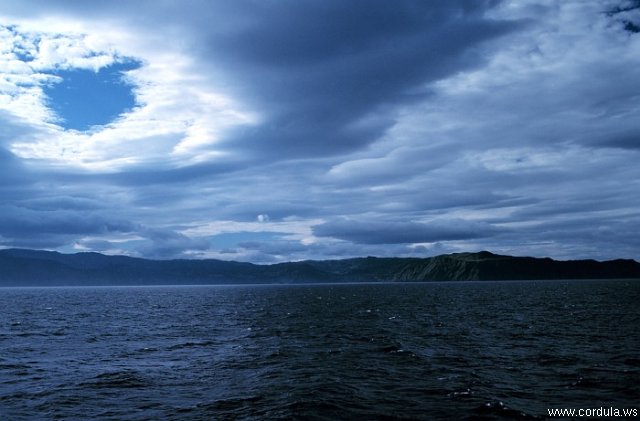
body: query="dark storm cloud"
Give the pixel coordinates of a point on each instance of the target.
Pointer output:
(12, 170)
(391, 232)
(24, 227)
(146, 174)
(26, 222)
(321, 71)
(624, 140)
(55, 221)
(580, 235)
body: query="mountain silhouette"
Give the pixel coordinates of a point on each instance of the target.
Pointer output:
(20, 267)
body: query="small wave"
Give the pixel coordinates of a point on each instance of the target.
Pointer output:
(467, 393)
(551, 360)
(116, 379)
(312, 408)
(396, 350)
(391, 348)
(499, 410)
(9, 366)
(146, 349)
(30, 334)
(235, 406)
(633, 362)
(190, 345)
(230, 404)
(583, 382)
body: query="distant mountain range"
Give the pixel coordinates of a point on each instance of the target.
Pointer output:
(19, 267)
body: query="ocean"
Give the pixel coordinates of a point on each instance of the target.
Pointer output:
(463, 350)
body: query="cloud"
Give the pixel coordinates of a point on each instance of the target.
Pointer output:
(386, 128)
(329, 90)
(176, 113)
(396, 232)
(23, 227)
(332, 88)
(12, 172)
(165, 243)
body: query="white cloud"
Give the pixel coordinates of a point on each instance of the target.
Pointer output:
(296, 228)
(177, 120)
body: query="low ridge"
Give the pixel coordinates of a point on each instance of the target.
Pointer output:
(19, 267)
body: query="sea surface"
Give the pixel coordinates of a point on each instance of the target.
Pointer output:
(466, 350)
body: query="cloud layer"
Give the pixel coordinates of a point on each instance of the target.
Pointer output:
(270, 131)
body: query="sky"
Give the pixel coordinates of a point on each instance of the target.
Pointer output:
(282, 130)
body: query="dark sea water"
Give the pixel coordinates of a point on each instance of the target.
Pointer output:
(489, 350)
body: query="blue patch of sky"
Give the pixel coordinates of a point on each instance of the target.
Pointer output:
(85, 98)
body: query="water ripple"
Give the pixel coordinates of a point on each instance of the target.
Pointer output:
(403, 351)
